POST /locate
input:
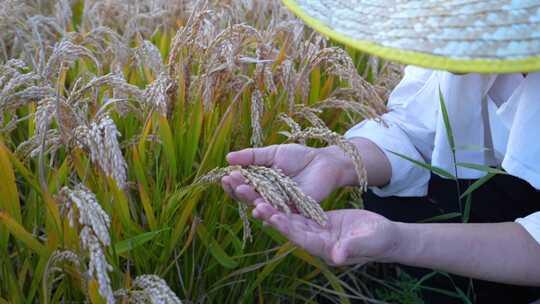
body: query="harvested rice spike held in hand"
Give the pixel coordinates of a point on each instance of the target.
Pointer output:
(276, 188)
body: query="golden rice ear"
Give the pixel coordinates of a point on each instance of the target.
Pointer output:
(156, 95)
(94, 235)
(100, 139)
(153, 289)
(310, 114)
(257, 110)
(67, 52)
(276, 188)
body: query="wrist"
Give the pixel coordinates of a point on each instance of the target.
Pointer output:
(378, 168)
(407, 244)
(334, 157)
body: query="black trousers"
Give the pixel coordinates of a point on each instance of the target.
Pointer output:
(503, 198)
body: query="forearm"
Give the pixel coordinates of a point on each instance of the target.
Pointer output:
(501, 252)
(375, 161)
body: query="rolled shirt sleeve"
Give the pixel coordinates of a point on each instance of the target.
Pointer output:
(407, 178)
(531, 223)
(400, 136)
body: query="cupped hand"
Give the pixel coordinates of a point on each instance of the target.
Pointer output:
(315, 171)
(351, 236)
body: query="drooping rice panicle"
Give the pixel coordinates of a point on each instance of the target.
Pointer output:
(94, 235)
(55, 265)
(274, 187)
(257, 109)
(90, 213)
(310, 114)
(98, 267)
(157, 94)
(101, 140)
(242, 212)
(155, 289)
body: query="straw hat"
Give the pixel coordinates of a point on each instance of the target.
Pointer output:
(483, 36)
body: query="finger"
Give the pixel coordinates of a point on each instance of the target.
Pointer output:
(253, 156)
(339, 254)
(226, 185)
(237, 179)
(263, 211)
(260, 201)
(247, 194)
(234, 180)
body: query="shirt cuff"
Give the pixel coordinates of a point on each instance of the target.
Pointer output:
(531, 223)
(407, 179)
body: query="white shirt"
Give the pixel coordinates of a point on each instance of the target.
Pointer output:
(495, 120)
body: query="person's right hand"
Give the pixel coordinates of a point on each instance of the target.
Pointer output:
(317, 172)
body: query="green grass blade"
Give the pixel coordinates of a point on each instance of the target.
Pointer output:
(429, 167)
(168, 145)
(442, 217)
(482, 168)
(477, 184)
(9, 195)
(215, 249)
(446, 119)
(21, 234)
(467, 209)
(136, 241)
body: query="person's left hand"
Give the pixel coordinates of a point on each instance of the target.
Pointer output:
(351, 236)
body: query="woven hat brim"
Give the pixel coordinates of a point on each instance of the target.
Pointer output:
(488, 66)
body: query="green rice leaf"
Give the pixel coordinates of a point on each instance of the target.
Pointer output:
(467, 209)
(477, 184)
(168, 144)
(215, 249)
(429, 167)
(449, 133)
(482, 168)
(442, 217)
(21, 234)
(136, 241)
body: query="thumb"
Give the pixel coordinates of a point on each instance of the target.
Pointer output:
(339, 253)
(253, 156)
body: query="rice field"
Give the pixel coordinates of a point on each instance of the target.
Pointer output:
(115, 117)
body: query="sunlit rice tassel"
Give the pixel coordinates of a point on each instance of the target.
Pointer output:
(55, 265)
(156, 94)
(90, 212)
(57, 258)
(276, 188)
(98, 266)
(257, 109)
(156, 289)
(101, 141)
